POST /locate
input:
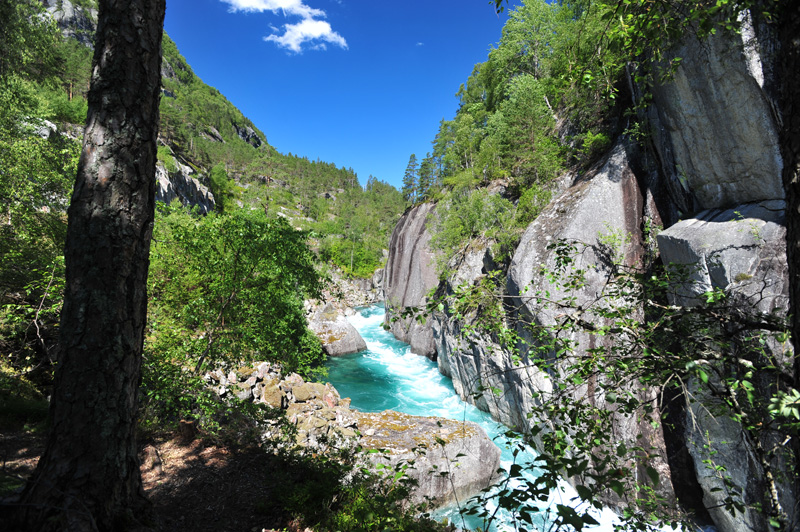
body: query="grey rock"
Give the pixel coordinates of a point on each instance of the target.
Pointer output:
(308, 391)
(243, 392)
(181, 185)
(409, 275)
(248, 134)
(714, 125)
(338, 336)
(377, 278)
(75, 22)
(741, 249)
(433, 445)
(211, 133)
(743, 252)
(45, 129)
(603, 212)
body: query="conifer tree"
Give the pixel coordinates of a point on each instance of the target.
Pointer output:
(426, 177)
(410, 180)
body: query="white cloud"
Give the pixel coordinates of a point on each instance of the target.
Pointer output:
(309, 30)
(289, 7)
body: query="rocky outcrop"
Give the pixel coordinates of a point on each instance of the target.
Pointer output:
(602, 212)
(249, 135)
(743, 252)
(75, 22)
(345, 293)
(181, 184)
(448, 460)
(740, 250)
(714, 124)
(409, 276)
(338, 336)
(377, 279)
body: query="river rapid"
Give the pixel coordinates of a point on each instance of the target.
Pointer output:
(387, 376)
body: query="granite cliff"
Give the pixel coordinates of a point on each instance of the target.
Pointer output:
(708, 182)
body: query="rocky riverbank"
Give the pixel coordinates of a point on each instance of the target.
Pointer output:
(448, 459)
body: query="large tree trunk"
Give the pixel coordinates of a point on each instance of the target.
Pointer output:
(789, 35)
(789, 28)
(88, 477)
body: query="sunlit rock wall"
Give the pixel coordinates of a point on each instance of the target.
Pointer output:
(409, 276)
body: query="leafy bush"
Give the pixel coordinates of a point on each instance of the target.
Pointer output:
(165, 157)
(224, 289)
(463, 217)
(531, 203)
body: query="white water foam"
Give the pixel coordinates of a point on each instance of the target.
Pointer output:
(419, 389)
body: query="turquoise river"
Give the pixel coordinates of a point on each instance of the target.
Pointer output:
(387, 376)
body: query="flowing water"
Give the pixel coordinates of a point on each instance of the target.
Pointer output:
(387, 376)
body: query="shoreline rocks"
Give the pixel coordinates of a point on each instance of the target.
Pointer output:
(338, 336)
(449, 460)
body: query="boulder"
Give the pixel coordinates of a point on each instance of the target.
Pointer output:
(409, 275)
(338, 336)
(377, 278)
(450, 460)
(742, 251)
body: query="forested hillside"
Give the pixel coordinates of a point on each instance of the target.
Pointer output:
(320, 214)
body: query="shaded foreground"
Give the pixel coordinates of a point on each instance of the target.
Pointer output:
(192, 484)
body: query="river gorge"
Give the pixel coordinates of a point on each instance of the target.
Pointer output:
(388, 376)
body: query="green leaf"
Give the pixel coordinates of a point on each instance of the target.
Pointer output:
(655, 478)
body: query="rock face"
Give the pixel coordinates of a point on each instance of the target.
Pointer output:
(324, 420)
(452, 460)
(248, 134)
(338, 336)
(74, 21)
(181, 185)
(742, 251)
(603, 210)
(714, 126)
(409, 275)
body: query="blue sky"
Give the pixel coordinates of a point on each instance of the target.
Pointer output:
(358, 83)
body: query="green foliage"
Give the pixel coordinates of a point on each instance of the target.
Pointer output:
(165, 157)
(221, 187)
(721, 357)
(26, 40)
(410, 180)
(531, 203)
(336, 492)
(464, 217)
(224, 289)
(551, 64)
(20, 401)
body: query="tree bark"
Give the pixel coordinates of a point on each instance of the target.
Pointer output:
(789, 36)
(88, 477)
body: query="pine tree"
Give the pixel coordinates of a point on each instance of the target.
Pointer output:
(425, 178)
(410, 180)
(88, 478)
